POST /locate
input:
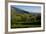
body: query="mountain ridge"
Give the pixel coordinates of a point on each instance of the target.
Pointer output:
(19, 11)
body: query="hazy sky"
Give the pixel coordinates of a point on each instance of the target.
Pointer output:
(34, 9)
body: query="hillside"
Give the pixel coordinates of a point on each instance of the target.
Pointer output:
(24, 19)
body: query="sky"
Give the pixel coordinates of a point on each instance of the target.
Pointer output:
(34, 9)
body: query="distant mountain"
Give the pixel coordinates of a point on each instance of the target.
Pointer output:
(19, 11)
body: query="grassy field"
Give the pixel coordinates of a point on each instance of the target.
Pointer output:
(25, 20)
